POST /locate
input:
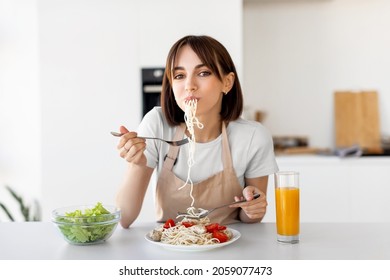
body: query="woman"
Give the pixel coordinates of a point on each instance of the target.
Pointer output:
(233, 157)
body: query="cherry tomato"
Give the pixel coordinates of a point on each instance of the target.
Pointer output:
(169, 223)
(221, 227)
(214, 226)
(187, 224)
(221, 236)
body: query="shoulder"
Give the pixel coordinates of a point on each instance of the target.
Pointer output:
(249, 134)
(248, 128)
(154, 118)
(154, 123)
(155, 113)
(251, 145)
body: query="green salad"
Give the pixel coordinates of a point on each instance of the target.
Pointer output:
(88, 226)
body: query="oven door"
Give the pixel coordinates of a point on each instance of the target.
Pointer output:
(151, 88)
(151, 97)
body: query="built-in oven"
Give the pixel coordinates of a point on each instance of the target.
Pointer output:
(151, 88)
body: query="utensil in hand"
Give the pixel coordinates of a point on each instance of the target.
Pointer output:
(173, 143)
(204, 213)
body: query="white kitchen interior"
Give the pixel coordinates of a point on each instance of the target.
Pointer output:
(70, 74)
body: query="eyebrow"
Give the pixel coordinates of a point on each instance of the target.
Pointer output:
(182, 68)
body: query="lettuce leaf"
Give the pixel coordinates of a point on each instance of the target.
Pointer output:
(82, 228)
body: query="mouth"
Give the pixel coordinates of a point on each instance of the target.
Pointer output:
(189, 98)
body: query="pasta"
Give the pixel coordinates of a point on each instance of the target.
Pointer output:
(191, 232)
(191, 120)
(192, 213)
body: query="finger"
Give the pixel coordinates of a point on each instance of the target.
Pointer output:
(134, 155)
(255, 207)
(259, 207)
(251, 202)
(137, 157)
(123, 129)
(250, 191)
(255, 215)
(237, 199)
(130, 154)
(127, 137)
(123, 152)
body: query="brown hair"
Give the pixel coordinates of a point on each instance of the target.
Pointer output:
(215, 56)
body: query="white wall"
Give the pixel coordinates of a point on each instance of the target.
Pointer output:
(88, 68)
(297, 53)
(20, 114)
(91, 53)
(164, 22)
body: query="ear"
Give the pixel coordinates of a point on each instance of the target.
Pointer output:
(228, 82)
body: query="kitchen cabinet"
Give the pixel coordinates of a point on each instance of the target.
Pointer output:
(337, 189)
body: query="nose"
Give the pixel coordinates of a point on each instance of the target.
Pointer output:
(190, 85)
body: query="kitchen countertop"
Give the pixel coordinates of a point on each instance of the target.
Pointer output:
(319, 241)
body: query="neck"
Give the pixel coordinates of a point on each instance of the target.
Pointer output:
(210, 131)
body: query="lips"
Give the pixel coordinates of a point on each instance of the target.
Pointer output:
(189, 98)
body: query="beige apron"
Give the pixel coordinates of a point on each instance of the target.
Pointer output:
(217, 190)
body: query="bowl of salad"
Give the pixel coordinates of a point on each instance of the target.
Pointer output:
(86, 224)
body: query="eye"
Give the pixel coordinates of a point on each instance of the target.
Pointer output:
(178, 76)
(205, 73)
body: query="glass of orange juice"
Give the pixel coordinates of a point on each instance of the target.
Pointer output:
(287, 206)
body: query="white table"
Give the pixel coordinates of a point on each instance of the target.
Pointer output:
(319, 241)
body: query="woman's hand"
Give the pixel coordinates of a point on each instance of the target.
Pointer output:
(253, 209)
(131, 148)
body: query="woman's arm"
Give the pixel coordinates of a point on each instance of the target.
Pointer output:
(132, 192)
(254, 210)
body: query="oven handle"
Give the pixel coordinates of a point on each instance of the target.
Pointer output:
(152, 88)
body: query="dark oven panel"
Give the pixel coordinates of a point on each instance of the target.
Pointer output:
(151, 88)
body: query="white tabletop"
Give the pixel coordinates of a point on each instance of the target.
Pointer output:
(319, 241)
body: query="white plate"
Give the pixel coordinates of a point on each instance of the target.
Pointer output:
(196, 248)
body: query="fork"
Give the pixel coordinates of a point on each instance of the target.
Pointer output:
(173, 143)
(205, 213)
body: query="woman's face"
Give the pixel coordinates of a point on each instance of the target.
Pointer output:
(192, 79)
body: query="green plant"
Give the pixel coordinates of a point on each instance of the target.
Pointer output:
(26, 210)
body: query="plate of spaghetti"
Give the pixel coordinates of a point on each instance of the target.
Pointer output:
(192, 235)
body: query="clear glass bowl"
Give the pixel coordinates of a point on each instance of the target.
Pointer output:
(86, 230)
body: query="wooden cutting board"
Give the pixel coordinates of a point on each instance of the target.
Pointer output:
(357, 120)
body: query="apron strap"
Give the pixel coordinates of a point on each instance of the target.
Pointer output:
(170, 158)
(226, 155)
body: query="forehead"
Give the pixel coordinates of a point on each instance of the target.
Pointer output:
(186, 57)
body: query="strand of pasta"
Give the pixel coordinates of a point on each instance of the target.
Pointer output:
(190, 120)
(192, 213)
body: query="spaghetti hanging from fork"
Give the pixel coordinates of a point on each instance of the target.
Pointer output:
(191, 120)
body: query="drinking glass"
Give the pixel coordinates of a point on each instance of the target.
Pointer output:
(287, 206)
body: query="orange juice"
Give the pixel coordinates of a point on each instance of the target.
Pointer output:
(287, 210)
